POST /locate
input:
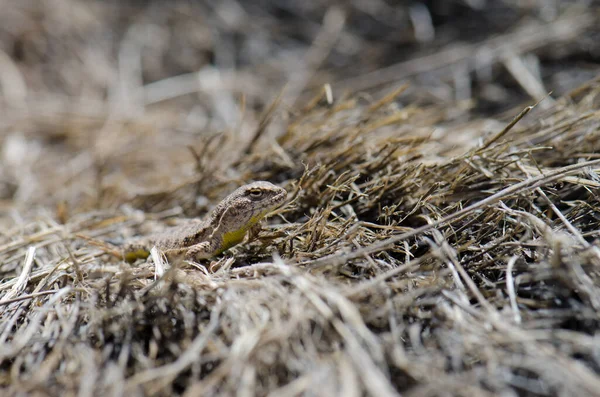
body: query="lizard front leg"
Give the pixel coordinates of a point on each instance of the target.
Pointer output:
(253, 232)
(175, 253)
(192, 253)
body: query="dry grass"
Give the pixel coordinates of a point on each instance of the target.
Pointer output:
(425, 249)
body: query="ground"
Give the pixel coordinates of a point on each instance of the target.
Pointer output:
(441, 230)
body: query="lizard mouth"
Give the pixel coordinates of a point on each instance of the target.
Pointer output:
(275, 202)
(280, 198)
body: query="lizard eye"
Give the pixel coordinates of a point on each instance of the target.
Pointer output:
(255, 193)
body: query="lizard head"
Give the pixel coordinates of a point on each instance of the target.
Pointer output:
(248, 204)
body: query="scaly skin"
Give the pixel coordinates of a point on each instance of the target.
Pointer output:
(225, 226)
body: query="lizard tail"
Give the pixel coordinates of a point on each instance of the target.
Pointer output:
(106, 246)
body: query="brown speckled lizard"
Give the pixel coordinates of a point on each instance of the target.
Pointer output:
(225, 226)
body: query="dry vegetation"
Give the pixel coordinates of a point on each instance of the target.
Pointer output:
(441, 235)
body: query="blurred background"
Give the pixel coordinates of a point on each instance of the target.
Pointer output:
(112, 93)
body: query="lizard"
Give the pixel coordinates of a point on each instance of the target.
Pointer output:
(224, 227)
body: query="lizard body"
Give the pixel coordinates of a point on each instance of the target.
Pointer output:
(225, 226)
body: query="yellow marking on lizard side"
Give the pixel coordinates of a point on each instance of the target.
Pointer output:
(230, 239)
(237, 236)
